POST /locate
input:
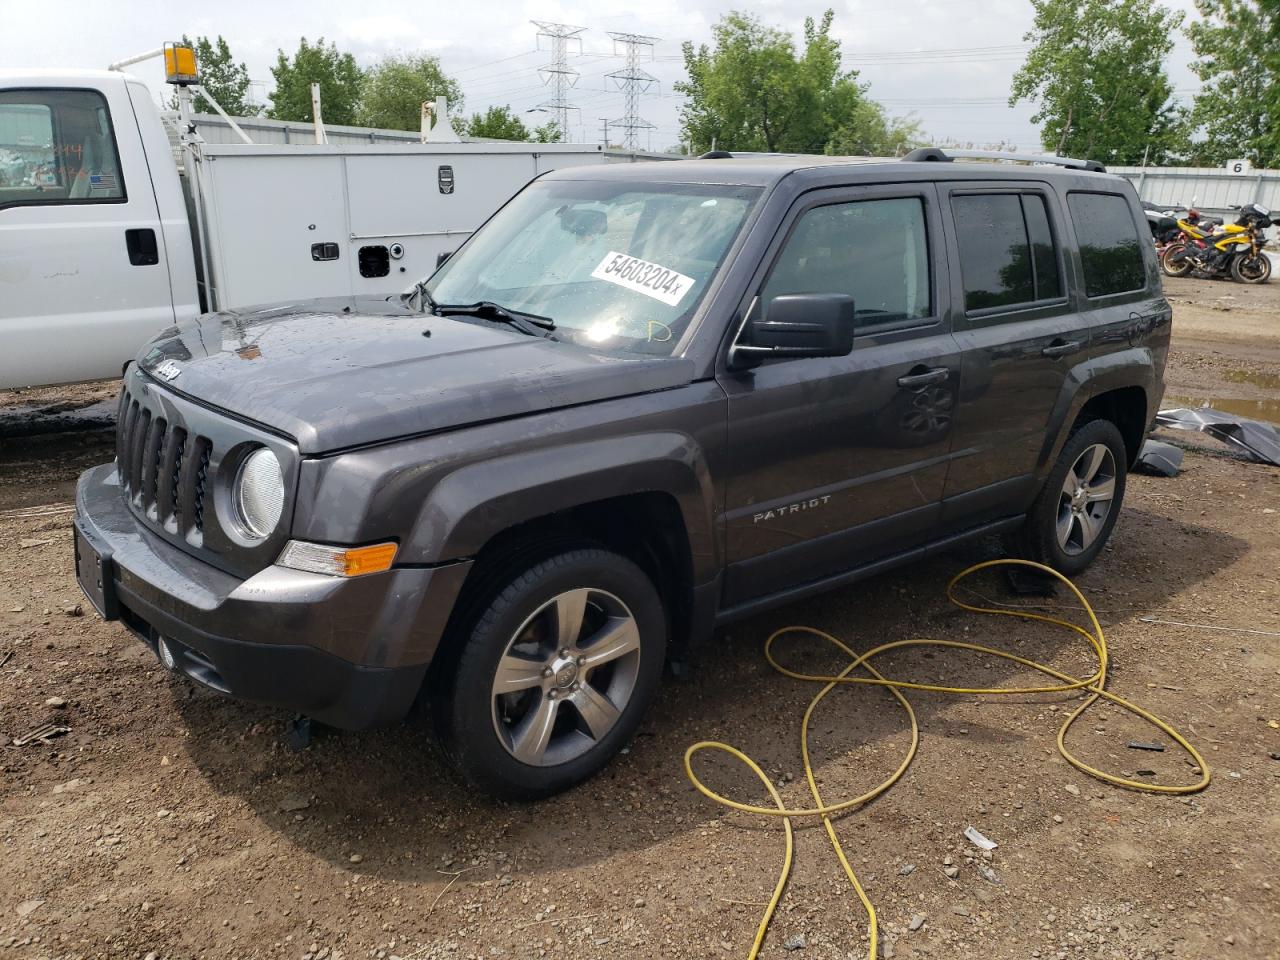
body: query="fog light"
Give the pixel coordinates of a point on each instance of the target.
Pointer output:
(166, 654)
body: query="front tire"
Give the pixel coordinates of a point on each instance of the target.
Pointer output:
(555, 675)
(1072, 518)
(1251, 269)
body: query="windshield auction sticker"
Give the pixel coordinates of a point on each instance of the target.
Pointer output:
(651, 279)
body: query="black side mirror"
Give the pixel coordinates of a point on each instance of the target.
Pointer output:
(801, 325)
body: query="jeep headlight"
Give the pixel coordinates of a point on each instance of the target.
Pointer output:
(258, 493)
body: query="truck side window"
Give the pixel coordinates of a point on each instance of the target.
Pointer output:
(57, 146)
(1110, 249)
(876, 251)
(1007, 254)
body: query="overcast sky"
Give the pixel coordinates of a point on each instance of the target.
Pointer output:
(949, 63)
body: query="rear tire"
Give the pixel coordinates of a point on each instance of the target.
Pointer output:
(1072, 518)
(554, 676)
(1251, 269)
(1170, 268)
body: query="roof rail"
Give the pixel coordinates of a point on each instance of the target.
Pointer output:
(947, 154)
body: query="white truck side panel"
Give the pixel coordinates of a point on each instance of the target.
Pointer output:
(266, 205)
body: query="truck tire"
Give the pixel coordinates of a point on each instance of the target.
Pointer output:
(555, 674)
(1071, 519)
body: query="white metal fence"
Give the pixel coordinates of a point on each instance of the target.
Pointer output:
(1212, 188)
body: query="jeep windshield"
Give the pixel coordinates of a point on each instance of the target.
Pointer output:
(616, 265)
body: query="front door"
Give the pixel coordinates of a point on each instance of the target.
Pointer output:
(83, 274)
(837, 461)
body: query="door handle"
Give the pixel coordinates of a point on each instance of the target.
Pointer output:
(924, 378)
(142, 246)
(1060, 349)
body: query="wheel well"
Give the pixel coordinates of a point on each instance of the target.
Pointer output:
(647, 528)
(1126, 407)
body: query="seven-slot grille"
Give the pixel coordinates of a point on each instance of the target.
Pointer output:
(164, 470)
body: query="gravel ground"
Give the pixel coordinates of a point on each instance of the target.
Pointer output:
(175, 823)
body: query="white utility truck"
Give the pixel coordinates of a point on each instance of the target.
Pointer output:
(104, 240)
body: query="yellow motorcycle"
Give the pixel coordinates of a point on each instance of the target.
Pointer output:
(1235, 251)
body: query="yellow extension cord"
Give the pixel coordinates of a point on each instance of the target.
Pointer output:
(1095, 685)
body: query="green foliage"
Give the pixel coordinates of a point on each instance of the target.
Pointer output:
(226, 80)
(498, 123)
(339, 78)
(753, 92)
(1096, 74)
(1237, 48)
(395, 88)
(549, 132)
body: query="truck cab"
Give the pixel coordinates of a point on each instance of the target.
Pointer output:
(95, 250)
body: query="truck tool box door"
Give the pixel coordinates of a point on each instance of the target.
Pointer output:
(83, 276)
(1020, 333)
(836, 461)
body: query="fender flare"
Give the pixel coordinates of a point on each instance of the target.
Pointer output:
(477, 502)
(1134, 367)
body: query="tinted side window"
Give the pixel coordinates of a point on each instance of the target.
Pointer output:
(995, 260)
(1110, 248)
(57, 146)
(877, 251)
(1007, 254)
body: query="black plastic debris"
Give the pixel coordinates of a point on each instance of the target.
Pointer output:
(1256, 440)
(1154, 747)
(1159, 459)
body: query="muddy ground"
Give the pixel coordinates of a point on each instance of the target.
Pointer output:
(175, 823)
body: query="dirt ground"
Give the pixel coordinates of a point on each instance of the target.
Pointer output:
(172, 823)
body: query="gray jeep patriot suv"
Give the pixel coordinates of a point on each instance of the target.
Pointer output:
(639, 402)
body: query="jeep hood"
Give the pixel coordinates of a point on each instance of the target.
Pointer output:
(333, 374)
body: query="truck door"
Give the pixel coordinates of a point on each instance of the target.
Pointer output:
(83, 277)
(1020, 333)
(837, 461)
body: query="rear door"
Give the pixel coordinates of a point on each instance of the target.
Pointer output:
(1019, 332)
(83, 279)
(837, 461)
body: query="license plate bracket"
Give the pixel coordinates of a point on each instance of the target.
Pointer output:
(94, 573)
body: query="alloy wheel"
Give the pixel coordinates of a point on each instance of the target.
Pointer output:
(1087, 495)
(565, 677)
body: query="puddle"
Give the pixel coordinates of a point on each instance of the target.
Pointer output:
(1268, 410)
(1268, 381)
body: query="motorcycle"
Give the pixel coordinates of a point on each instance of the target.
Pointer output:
(1235, 251)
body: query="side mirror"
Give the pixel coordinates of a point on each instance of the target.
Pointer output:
(801, 325)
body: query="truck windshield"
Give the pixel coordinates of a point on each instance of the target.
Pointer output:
(617, 265)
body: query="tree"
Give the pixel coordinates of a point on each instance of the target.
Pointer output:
(753, 92)
(549, 132)
(395, 88)
(225, 79)
(1096, 74)
(1237, 111)
(339, 78)
(497, 123)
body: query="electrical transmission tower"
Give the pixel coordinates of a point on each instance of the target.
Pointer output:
(558, 74)
(633, 81)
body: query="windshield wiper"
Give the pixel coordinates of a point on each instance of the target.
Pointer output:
(425, 303)
(530, 323)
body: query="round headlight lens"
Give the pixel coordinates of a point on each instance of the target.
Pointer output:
(259, 493)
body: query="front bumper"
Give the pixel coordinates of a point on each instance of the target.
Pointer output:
(350, 653)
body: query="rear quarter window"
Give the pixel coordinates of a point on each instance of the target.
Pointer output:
(1110, 245)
